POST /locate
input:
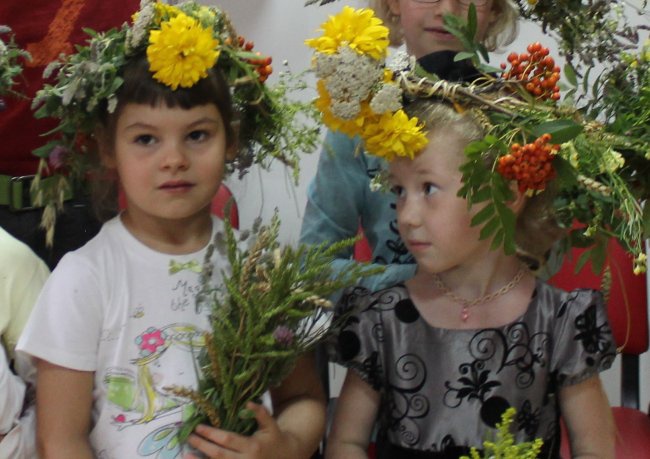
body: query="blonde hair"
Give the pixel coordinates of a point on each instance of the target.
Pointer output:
(502, 32)
(536, 229)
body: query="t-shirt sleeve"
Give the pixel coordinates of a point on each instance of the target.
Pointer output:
(66, 322)
(583, 344)
(357, 342)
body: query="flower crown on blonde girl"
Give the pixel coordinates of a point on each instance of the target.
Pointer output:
(181, 43)
(594, 159)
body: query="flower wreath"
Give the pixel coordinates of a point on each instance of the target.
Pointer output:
(599, 169)
(181, 43)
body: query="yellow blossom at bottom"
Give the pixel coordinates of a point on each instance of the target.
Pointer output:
(394, 135)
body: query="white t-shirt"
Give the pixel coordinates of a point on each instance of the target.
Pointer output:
(114, 307)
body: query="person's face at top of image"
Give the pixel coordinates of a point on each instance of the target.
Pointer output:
(170, 161)
(433, 221)
(422, 23)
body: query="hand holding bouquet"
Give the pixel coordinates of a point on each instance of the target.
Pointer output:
(271, 309)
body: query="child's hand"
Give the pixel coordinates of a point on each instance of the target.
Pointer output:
(268, 442)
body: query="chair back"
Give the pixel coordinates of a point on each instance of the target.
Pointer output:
(220, 203)
(627, 307)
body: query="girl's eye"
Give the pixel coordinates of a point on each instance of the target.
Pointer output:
(145, 139)
(198, 135)
(429, 189)
(397, 190)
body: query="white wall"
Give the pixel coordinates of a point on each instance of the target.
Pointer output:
(279, 28)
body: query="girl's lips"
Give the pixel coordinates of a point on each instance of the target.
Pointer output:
(414, 246)
(440, 33)
(174, 186)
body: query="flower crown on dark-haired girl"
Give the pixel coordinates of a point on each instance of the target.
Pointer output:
(181, 44)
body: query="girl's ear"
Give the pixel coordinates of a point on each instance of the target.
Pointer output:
(232, 150)
(106, 153)
(519, 199)
(393, 6)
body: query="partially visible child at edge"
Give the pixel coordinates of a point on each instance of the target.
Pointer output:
(22, 275)
(438, 377)
(114, 327)
(339, 198)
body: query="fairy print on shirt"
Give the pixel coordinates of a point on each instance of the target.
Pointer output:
(142, 392)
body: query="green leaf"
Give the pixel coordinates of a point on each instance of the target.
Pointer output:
(582, 260)
(482, 215)
(490, 227)
(463, 55)
(44, 150)
(471, 22)
(570, 75)
(599, 254)
(561, 130)
(646, 221)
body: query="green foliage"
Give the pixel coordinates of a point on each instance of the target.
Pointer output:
(270, 311)
(504, 446)
(11, 61)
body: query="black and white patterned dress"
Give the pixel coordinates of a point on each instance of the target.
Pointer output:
(444, 390)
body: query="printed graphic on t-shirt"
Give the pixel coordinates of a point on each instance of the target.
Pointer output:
(142, 393)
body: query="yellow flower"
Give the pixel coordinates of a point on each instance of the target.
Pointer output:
(394, 135)
(165, 12)
(358, 29)
(181, 52)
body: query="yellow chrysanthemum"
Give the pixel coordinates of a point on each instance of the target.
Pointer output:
(358, 29)
(394, 135)
(165, 12)
(181, 52)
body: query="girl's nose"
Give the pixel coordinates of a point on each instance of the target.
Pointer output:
(408, 212)
(175, 158)
(448, 6)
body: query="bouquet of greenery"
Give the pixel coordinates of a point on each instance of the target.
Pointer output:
(504, 446)
(10, 61)
(271, 309)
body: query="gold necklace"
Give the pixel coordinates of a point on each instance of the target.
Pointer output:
(467, 304)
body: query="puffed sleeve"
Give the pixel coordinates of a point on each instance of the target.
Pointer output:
(358, 343)
(583, 344)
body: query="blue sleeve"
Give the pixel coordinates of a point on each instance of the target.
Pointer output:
(336, 199)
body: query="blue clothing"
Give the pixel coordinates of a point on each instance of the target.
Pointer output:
(339, 199)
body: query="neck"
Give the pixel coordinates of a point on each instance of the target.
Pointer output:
(478, 279)
(175, 237)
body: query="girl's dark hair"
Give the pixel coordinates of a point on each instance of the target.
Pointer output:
(139, 87)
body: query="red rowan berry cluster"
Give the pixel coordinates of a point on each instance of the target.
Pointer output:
(262, 64)
(530, 165)
(536, 70)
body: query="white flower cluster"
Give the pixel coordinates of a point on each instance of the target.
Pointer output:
(351, 78)
(136, 35)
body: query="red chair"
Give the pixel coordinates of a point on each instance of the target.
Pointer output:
(218, 207)
(628, 315)
(220, 203)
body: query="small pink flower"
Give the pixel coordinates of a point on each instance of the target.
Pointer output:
(150, 341)
(57, 157)
(283, 335)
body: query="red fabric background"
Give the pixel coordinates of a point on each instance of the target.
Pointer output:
(45, 28)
